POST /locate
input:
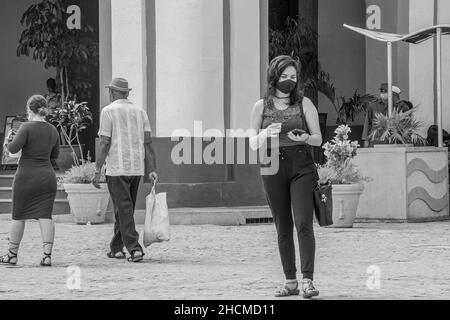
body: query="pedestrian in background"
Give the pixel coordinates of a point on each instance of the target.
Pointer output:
(35, 184)
(378, 106)
(126, 146)
(287, 115)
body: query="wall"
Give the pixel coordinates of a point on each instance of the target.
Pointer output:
(105, 50)
(341, 52)
(189, 60)
(444, 18)
(421, 63)
(21, 76)
(245, 61)
(129, 56)
(422, 80)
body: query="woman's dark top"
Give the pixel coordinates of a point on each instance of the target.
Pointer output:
(35, 185)
(291, 118)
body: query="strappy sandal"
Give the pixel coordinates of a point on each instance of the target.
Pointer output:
(10, 258)
(118, 255)
(284, 291)
(47, 256)
(135, 258)
(309, 291)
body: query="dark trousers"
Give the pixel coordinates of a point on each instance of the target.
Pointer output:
(123, 191)
(290, 193)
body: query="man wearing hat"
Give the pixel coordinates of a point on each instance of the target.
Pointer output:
(378, 106)
(126, 146)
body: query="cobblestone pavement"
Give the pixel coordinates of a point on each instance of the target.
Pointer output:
(227, 263)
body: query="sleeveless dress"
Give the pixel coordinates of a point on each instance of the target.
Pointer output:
(35, 184)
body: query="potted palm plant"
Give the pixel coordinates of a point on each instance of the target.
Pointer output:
(344, 175)
(87, 203)
(400, 128)
(410, 179)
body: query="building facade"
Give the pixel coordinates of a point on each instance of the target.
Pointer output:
(197, 65)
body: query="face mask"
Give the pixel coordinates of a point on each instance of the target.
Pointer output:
(383, 96)
(286, 86)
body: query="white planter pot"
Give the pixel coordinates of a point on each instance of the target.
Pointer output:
(345, 204)
(87, 204)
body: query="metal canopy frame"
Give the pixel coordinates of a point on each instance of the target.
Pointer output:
(413, 38)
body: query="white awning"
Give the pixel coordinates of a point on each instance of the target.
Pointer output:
(415, 37)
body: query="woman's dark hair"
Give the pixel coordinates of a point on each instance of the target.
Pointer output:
(38, 105)
(276, 69)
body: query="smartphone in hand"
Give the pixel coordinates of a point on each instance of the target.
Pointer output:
(298, 132)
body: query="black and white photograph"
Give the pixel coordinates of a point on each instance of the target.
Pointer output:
(225, 151)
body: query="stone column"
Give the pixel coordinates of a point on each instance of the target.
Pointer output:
(105, 50)
(245, 60)
(189, 65)
(443, 17)
(129, 57)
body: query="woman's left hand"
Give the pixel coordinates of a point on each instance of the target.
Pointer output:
(303, 138)
(9, 137)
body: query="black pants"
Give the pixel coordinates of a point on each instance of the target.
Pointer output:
(123, 191)
(291, 190)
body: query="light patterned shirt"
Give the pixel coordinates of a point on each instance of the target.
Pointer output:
(125, 124)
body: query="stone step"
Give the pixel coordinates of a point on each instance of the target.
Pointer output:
(6, 193)
(232, 216)
(61, 207)
(6, 181)
(190, 216)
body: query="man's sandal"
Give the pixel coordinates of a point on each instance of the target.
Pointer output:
(136, 258)
(284, 291)
(10, 258)
(118, 255)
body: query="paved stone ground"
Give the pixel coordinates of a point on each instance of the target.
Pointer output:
(227, 263)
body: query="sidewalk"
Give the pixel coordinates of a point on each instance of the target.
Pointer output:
(227, 263)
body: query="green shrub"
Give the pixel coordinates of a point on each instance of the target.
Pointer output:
(81, 174)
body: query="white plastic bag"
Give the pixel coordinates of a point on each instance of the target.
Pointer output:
(157, 223)
(17, 155)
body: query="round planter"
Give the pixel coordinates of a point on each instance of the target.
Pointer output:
(345, 204)
(87, 204)
(65, 160)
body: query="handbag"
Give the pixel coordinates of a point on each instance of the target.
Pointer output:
(323, 203)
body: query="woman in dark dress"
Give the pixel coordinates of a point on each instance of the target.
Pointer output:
(35, 185)
(287, 123)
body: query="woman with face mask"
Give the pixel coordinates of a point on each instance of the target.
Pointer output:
(287, 123)
(34, 186)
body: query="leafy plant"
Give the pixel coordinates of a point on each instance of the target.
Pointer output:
(299, 40)
(346, 108)
(399, 128)
(81, 174)
(339, 168)
(71, 119)
(47, 39)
